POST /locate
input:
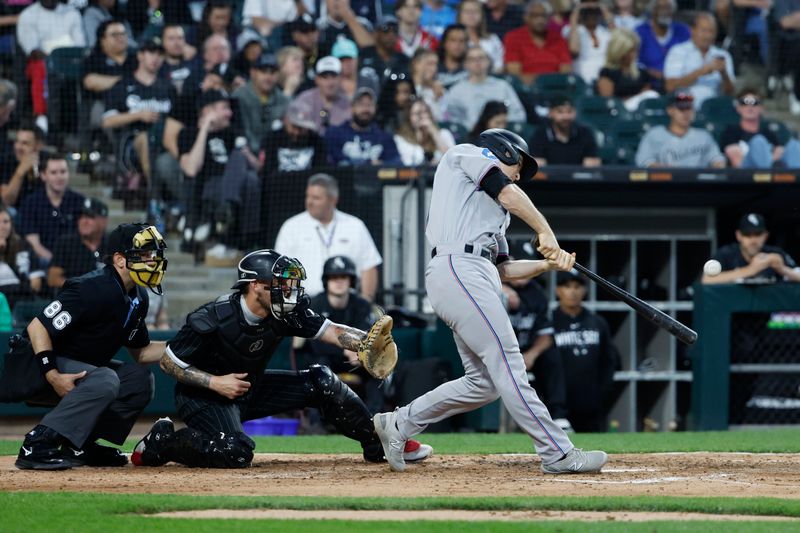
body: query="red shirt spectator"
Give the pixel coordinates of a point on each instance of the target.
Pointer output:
(411, 35)
(532, 49)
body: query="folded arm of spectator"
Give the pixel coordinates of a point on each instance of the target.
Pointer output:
(169, 141)
(114, 120)
(99, 83)
(38, 247)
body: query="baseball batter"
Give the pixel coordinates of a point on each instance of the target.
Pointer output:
(473, 196)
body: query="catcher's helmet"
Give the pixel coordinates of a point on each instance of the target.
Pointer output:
(339, 265)
(285, 275)
(143, 248)
(510, 149)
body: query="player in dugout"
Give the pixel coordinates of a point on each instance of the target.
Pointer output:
(219, 359)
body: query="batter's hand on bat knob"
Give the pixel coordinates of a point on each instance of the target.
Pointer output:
(548, 246)
(565, 261)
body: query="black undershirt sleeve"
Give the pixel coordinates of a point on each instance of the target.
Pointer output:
(494, 181)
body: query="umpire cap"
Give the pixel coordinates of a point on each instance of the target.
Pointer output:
(510, 149)
(339, 265)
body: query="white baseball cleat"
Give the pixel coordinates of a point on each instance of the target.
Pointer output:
(577, 461)
(415, 451)
(392, 441)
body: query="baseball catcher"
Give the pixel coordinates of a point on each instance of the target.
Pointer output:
(219, 359)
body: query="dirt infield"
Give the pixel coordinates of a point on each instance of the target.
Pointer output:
(671, 474)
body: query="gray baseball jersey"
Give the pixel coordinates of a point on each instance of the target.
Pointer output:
(465, 291)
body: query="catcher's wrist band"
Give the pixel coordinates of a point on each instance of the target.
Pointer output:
(47, 361)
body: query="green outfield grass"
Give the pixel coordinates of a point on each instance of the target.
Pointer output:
(774, 440)
(64, 511)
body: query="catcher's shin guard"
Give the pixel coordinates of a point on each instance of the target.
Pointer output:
(340, 405)
(197, 449)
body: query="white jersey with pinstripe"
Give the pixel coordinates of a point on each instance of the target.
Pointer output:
(465, 291)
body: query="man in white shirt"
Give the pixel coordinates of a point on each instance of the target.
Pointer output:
(699, 66)
(322, 231)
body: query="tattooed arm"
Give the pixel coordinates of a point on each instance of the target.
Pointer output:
(230, 386)
(342, 336)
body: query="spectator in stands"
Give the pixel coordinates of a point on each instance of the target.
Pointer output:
(588, 356)
(322, 231)
(464, 102)
(562, 141)
(149, 17)
(346, 51)
(419, 139)
(139, 101)
(424, 69)
(98, 12)
(451, 52)
(559, 19)
(296, 146)
(266, 15)
(178, 58)
(750, 144)
(107, 63)
(340, 302)
(621, 76)
(20, 276)
(249, 47)
(226, 189)
(370, 10)
(473, 17)
(217, 56)
(217, 19)
(532, 49)
(627, 15)
(41, 28)
(51, 211)
(24, 179)
(787, 14)
(9, 16)
(588, 38)
(328, 101)
(341, 22)
(261, 102)
(77, 253)
(395, 99)
(501, 17)
(751, 259)
(412, 36)
(291, 70)
(699, 66)
(8, 102)
(305, 35)
(436, 16)
(679, 145)
(383, 57)
(658, 35)
(493, 115)
(361, 141)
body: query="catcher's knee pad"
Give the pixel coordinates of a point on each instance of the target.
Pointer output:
(232, 450)
(198, 449)
(340, 405)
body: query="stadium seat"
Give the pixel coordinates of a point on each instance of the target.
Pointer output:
(547, 86)
(524, 92)
(781, 131)
(459, 132)
(621, 142)
(652, 107)
(64, 70)
(66, 63)
(523, 129)
(719, 109)
(600, 112)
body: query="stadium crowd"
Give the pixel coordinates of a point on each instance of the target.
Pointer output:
(198, 105)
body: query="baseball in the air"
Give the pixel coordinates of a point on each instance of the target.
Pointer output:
(712, 267)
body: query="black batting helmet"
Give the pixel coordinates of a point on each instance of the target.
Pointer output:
(339, 265)
(510, 149)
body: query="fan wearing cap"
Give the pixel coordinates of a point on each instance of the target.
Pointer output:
(475, 192)
(361, 141)
(76, 254)
(261, 102)
(296, 146)
(337, 19)
(679, 144)
(750, 259)
(563, 141)
(383, 57)
(304, 35)
(139, 101)
(328, 101)
(588, 354)
(74, 339)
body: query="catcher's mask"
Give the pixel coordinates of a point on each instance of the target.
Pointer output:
(283, 274)
(143, 248)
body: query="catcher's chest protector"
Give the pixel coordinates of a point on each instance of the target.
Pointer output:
(246, 347)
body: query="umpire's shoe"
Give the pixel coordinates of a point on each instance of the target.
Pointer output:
(393, 442)
(147, 451)
(41, 450)
(577, 461)
(93, 454)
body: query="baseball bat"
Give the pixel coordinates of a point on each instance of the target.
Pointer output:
(657, 317)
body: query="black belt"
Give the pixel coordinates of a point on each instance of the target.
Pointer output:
(468, 248)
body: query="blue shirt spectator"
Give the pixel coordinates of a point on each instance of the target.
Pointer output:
(436, 16)
(361, 141)
(658, 35)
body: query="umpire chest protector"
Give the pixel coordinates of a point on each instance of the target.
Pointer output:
(242, 347)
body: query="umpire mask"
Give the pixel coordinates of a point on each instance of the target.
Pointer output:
(286, 287)
(145, 260)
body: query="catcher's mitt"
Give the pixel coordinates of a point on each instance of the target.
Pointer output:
(377, 351)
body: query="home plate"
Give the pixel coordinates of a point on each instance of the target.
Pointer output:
(621, 470)
(623, 482)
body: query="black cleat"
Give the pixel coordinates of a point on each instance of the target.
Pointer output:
(146, 452)
(93, 454)
(41, 450)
